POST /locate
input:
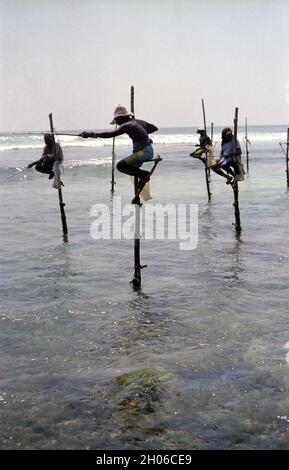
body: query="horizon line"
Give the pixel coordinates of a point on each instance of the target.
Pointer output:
(162, 127)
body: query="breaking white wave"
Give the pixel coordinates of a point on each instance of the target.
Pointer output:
(90, 162)
(170, 136)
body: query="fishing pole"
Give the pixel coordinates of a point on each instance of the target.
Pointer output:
(23, 133)
(2, 134)
(281, 145)
(59, 133)
(13, 174)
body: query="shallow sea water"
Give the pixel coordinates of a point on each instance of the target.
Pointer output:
(195, 360)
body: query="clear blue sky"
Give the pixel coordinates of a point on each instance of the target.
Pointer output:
(78, 58)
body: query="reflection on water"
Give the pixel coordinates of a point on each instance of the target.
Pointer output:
(237, 264)
(207, 222)
(140, 301)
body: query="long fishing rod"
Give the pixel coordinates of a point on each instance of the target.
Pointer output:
(13, 174)
(23, 133)
(37, 133)
(77, 135)
(60, 133)
(281, 145)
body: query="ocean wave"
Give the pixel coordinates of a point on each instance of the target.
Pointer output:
(91, 162)
(8, 145)
(263, 138)
(187, 137)
(67, 164)
(4, 148)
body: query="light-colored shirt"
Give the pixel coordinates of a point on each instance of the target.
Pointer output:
(228, 148)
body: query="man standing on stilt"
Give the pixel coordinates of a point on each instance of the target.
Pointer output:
(138, 130)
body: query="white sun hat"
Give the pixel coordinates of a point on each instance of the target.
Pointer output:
(120, 111)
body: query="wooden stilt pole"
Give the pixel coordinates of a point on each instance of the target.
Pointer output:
(236, 207)
(136, 281)
(212, 136)
(61, 203)
(247, 147)
(207, 169)
(132, 99)
(235, 184)
(287, 158)
(113, 165)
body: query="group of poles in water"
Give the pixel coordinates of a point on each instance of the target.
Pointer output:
(228, 165)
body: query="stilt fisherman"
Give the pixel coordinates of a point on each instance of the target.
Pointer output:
(204, 146)
(227, 165)
(138, 130)
(47, 160)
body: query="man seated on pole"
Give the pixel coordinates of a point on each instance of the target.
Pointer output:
(47, 160)
(138, 130)
(227, 165)
(204, 146)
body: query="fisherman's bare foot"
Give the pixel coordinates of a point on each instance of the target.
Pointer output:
(136, 200)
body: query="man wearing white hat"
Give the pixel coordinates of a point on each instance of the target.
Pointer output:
(138, 131)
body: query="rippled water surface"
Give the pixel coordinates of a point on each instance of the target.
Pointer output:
(195, 360)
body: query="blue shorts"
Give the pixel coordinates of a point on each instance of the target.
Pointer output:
(138, 158)
(225, 161)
